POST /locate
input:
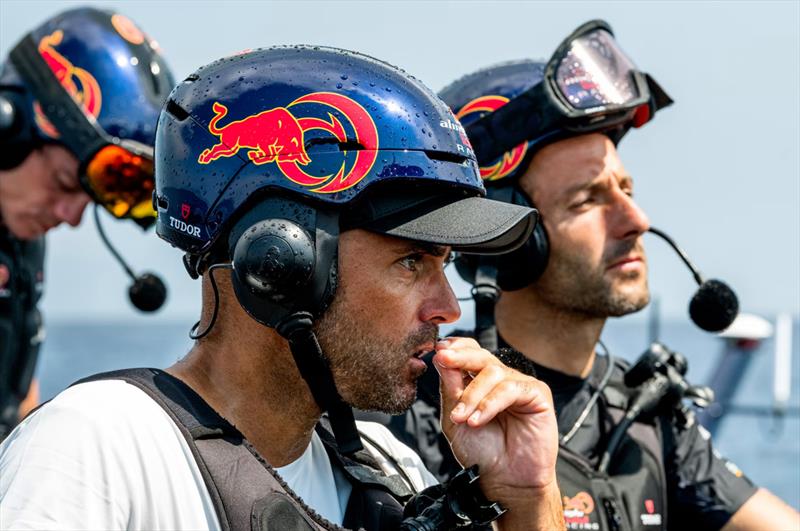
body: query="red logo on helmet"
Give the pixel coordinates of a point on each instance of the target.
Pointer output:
(273, 135)
(78, 83)
(185, 211)
(511, 159)
(277, 135)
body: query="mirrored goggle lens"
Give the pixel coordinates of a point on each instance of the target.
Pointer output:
(596, 72)
(122, 181)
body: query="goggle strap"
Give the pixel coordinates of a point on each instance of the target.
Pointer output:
(519, 120)
(78, 132)
(524, 118)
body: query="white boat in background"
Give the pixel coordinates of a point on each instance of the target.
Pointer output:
(742, 340)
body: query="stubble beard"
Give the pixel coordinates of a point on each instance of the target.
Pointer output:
(570, 286)
(371, 372)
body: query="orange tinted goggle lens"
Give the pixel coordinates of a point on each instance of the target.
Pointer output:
(122, 181)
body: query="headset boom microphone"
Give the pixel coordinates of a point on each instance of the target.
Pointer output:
(715, 305)
(148, 292)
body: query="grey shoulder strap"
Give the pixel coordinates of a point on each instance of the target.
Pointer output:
(246, 491)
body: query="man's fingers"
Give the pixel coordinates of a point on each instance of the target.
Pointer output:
(478, 388)
(517, 395)
(458, 342)
(451, 385)
(493, 389)
(464, 357)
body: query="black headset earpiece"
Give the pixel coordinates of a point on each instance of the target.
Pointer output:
(521, 267)
(17, 126)
(284, 260)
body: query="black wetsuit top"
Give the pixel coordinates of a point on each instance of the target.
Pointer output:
(21, 266)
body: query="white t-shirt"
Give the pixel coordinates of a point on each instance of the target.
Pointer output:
(104, 455)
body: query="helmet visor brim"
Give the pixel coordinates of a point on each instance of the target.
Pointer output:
(470, 225)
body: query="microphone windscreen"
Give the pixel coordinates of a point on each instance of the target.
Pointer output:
(714, 307)
(148, 293)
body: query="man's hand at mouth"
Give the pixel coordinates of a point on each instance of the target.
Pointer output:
(503, 421)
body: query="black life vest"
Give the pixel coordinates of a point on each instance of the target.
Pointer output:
(21, 276)
(247, 493)
(632, 494)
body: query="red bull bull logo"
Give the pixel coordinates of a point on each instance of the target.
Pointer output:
(278, 136)
(511, 159)
(78, 83)
(273, 135)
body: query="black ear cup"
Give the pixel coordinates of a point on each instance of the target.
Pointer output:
(282, 266)
(17, 139)
(524, 266)
(519, 268)
(274, 258)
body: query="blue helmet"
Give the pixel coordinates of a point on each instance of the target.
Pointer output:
(512, 109)
(93, 81)
(264, 157)
(474, 95)
(328, 127)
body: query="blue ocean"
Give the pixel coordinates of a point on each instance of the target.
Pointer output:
(766, 447)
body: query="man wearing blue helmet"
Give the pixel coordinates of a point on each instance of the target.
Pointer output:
(630, 457)
(76, 125)
(318, 195)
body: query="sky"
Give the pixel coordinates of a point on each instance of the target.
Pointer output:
(719, 170)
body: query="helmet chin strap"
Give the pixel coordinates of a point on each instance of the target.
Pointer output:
(297, 328)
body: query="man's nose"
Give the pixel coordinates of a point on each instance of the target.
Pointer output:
(629, 219)
(70, 209)
(441, 305)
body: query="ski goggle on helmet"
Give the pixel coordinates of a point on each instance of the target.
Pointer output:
(589, 85)
(98, 83)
